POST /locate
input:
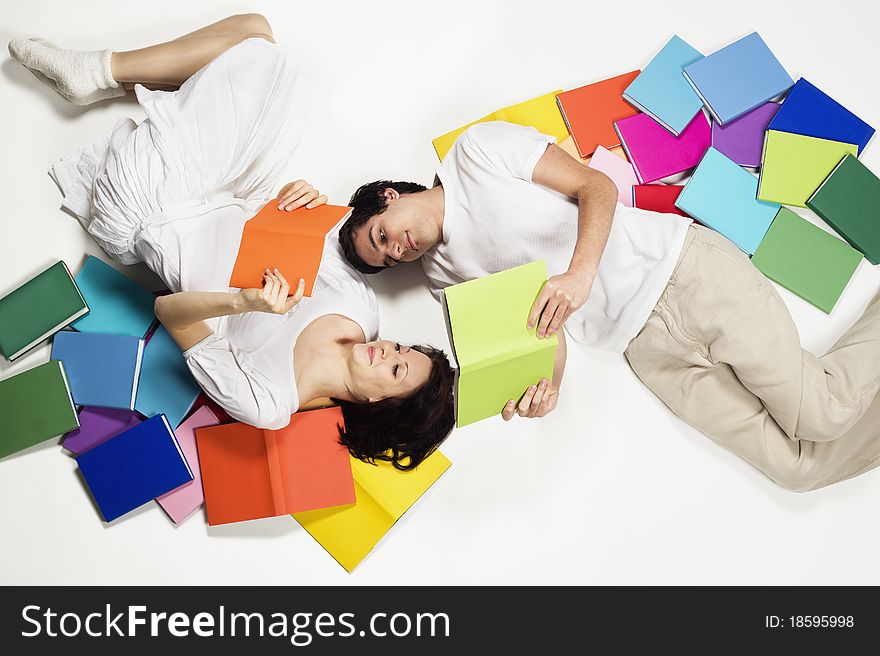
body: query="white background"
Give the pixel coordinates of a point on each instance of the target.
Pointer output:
(609, 489)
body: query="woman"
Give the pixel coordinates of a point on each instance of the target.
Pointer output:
(175, 192)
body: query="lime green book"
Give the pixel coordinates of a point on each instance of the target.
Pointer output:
(806, 260)
(35, 405)
(848, 202)
(498, 356)
(793, 166)
(38, 309)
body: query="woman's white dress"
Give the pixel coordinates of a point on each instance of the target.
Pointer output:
(175, 192)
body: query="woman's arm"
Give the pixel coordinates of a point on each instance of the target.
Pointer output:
(539, 400)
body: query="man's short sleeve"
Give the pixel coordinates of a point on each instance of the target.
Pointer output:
(507, 147)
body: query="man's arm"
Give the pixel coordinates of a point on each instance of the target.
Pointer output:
(597, 199)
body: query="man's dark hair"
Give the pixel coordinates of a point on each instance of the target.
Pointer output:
(367, 202)
(403, 430)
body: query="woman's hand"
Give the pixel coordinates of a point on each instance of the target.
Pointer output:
(298, 193)
(272, 298)
(538, 401)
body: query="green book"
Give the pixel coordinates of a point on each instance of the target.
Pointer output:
(35, 405)
(806, 260)
(498, 356)
(38, 309)
(793, 166)
(848, 202)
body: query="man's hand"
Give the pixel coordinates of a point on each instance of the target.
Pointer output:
(538, 400)
(298, 193)
(560, 296)
(272, 298)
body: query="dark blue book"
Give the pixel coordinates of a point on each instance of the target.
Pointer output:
(135, 467)
(811, 112)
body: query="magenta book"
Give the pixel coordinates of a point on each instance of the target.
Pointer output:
(655, 153)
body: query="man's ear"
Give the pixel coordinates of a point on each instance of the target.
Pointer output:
(390, 194)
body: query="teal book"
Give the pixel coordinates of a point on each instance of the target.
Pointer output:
(166, 385)
(721, 195)
(117, 304)
(806, 260)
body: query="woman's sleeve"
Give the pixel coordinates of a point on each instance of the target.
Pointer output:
(225, 373)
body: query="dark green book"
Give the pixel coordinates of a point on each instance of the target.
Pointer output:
(848, 201)
(38, 309)
(806, 260)
(35, 405)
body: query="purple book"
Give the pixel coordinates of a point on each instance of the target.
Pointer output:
(98, 425)
(742, 140)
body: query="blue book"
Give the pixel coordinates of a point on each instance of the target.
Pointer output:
(738, 78)
(118, 305)
(721, 195)
(813, 113)
(135, 467)
(166, 385)
(102, 370)
(661, 91)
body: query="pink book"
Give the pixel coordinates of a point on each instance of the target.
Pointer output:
(618, 169)
(181, 502)
(655, 153)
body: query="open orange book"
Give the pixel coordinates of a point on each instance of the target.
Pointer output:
(252, 473)
(292, 242)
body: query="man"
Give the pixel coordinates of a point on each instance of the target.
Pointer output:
(507, 195)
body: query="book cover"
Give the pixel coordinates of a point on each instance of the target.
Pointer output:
(721, 195)
(655, 153)
(657, 198)
(183, 501)
(135, 467)
(541, 113)
(39, 308)
(618, 169)
(35, 405)
(806, 260)
(661, 90)
(102, 370)
(97, 425)
(590, 111)
(742, 140)
(291, 241)
(498, 356)
(166, 386)
(848, 200)
(251, 473)
(793, 166)
(738, 78)
(810, 111)
(383, 495)
(117, 304)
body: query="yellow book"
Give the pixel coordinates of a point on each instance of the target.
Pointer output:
(541, 113)
(382, 494)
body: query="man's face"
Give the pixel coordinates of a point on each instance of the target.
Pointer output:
(396, 235)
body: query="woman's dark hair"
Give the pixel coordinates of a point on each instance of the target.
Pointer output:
(367, 202)
(403, 430)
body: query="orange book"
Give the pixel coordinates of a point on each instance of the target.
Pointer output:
(251, 473)
(292, 242)
(590, 112)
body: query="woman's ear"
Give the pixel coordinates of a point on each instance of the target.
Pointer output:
(390, 194)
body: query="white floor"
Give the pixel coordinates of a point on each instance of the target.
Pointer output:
(611, 488)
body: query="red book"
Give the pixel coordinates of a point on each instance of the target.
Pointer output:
(657, 198)
(590, 112)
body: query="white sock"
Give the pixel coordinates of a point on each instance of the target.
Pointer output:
(81, 76)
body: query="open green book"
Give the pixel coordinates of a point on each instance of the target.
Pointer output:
(498, 356)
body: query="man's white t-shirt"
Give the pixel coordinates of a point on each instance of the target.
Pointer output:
(496, 218)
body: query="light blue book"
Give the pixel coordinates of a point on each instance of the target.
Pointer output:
(118, 305)
(721, 195)
(166, 386)
(738, 78)
(662, 92)
(102, 370)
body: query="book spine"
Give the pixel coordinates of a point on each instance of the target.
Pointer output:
(276, 480)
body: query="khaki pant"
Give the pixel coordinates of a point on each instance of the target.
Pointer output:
(721, 350)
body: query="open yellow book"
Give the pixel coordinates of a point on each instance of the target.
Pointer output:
(541, 113)
(382, 494)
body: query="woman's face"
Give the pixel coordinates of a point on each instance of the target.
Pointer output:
(383, 369)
